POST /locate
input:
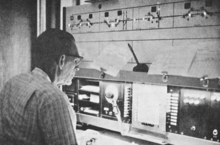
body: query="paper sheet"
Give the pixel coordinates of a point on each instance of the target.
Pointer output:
(113, 58)
(148, 102)
(206, 63)
(94, 98)
(177, 62)
(91, 111)
(89, 88)
(83, 97)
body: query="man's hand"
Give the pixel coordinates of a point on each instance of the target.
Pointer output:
(89, 137)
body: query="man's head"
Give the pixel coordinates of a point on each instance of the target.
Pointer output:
(55, 52)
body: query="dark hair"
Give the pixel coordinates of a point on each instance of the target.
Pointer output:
(50, 45)
(54, 41)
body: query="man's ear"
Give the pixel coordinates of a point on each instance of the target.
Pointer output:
(61, 62)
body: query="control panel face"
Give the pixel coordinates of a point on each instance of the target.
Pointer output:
(194, 113)
(118, 94)
(194, 108)
(156, 110)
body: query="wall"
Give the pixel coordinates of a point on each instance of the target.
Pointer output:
(17, 29)
(151, 27)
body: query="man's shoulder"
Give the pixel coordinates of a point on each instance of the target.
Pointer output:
(47, 90)
(19, 76)
(16, 81)
(35, 84)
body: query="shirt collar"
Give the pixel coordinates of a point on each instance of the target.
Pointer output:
(40, 72)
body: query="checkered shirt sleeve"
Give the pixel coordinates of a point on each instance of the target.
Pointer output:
(57, 121)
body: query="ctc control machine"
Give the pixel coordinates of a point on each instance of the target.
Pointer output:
(174, 104)
(175, 112)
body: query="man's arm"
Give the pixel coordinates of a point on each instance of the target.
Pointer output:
(58, 122)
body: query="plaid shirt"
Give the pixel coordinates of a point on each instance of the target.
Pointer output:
(35, 112)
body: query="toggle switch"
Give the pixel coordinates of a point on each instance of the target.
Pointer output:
(193, 128)
(215, 132)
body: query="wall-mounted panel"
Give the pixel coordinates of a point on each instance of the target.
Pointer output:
(89, 50)
(146, 51)
(198, 43)
(69, 18)
(119, 44)
(82, 9)
(146, 17)
(82, 23)
(197, 13)
(166, 14)
(119, 4)
(177, 33)
(116, 20)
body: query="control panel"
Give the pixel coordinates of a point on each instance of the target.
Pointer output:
(156, 111)
(194, 112)
(121, 93)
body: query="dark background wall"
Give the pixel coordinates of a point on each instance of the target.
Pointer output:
(53, 13)
(18, 27)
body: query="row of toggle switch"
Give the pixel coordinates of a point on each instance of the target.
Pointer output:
(127, 101)
(174, 101)
(215, 97)
(197, 98)
(192, 101)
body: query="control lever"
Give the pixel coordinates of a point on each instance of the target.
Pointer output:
(140, 67)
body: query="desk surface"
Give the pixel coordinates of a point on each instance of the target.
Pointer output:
(107, 137)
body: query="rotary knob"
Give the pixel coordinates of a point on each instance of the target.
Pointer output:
(193, 128)
(215, 132)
